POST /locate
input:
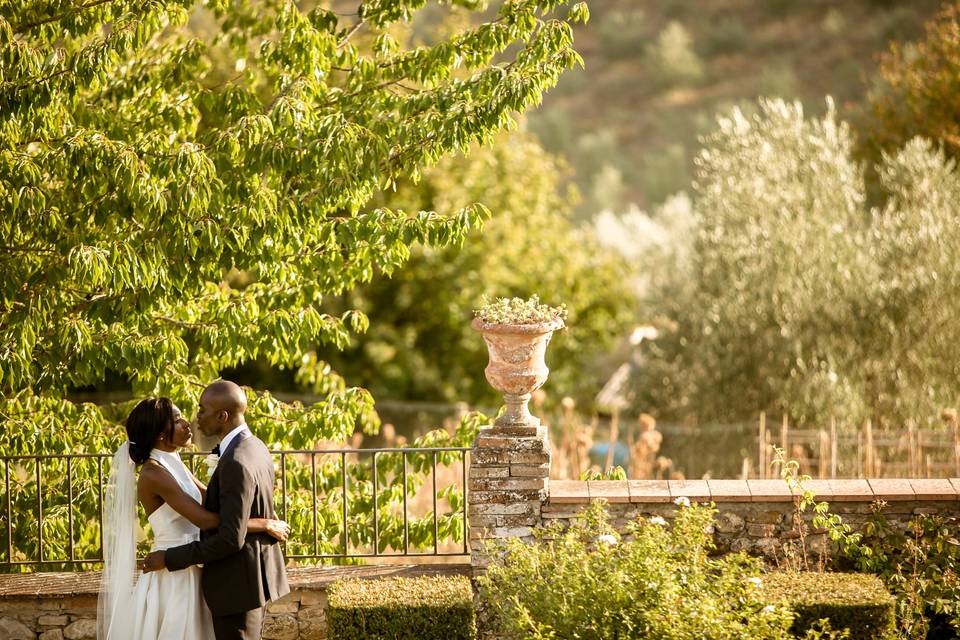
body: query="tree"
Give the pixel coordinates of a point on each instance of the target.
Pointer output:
(420, 345)
(804, 299)
(164, 220)
(916, 92)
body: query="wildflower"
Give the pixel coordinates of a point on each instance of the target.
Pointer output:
(682, 501)
(757, 582)
(769, 608)
(658, 520)
(607, 538)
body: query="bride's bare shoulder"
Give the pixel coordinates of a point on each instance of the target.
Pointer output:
(151, 473)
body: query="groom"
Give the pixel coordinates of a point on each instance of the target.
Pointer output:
(241, 571)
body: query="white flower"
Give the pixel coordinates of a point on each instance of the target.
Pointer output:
(769, 608)
(658, 520)
(240, 64)
(682, 501)
(607, 538)
(211, 462)
(757, 582)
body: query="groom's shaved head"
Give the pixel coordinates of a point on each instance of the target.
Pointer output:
(224, 395)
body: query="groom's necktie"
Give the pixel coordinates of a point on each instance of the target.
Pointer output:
(216, 450)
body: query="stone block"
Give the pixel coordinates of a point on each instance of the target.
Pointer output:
(765, 516)
(769, 491)
(729, 490)
(505, 497)
(12, 629)
(503, 509)
(530, 470)
(510, 532)
(313, 598)
(51, 634)
(84, 629)
(649, 491)
(728, 522)
(489, 472)
(283, 607)
(693, 490)
(612, 491)
(280, 627)
(761, 530)
(569, 491)
(892, 490)
(507, 484)
(53, 621)
(933, 489)
(850, 490)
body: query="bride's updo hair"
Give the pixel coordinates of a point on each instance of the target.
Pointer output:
(150, 419)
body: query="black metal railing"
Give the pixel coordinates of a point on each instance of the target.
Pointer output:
(342, 504)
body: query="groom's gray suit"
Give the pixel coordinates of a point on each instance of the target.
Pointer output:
(241, 571)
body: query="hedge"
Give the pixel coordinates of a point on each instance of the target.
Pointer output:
(425, 608)
(853, 601)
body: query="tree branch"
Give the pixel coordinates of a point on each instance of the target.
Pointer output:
(30, 25)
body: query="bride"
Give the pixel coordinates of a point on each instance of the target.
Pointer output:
(161, 605)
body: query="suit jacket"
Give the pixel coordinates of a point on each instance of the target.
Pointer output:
(241, 571)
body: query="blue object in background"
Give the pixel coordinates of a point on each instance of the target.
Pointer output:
(598, 454)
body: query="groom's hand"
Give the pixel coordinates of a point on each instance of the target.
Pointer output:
(154, 562)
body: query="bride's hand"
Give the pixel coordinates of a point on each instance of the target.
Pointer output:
(278, 529)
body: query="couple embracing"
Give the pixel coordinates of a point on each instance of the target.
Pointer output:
(229, 528)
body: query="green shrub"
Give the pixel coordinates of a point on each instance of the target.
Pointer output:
(658, 581)
(426, 608)
(856, 602)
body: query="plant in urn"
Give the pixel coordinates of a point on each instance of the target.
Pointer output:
(517, 333)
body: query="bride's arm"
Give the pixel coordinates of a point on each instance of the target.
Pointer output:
(157, 481)
(162, 484)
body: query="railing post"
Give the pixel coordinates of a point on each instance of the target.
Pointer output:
(508, 484)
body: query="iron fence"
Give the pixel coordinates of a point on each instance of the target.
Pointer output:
(355, 479)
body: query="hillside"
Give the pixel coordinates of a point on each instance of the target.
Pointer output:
(657, 72)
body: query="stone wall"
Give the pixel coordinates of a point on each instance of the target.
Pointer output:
(757, 516)
(58, 606)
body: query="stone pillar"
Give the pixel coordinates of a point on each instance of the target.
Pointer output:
(509, 474)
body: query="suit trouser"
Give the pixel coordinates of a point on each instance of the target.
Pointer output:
(246, 625)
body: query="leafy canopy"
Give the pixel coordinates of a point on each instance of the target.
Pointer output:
(165, 218)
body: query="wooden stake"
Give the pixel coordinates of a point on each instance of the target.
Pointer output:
(614, 431)
(912, 450)
(868, 453)
(833, 447)
(824, 453)
(784, 441)
(762, 446)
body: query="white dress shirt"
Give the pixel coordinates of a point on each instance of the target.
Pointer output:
(227, 439)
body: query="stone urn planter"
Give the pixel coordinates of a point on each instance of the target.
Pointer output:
(517, 367)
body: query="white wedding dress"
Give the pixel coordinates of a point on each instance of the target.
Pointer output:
(168, 605)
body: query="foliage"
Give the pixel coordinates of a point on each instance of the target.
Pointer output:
(654, 582)
(673, 58)
(420, 345)
(614, 473)
(519, 311)
(73, 493)
(166, 219)
(917, 91)
(801, 299)
(920, 564)
(856, 603)
(797, 556)
(424, 608)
